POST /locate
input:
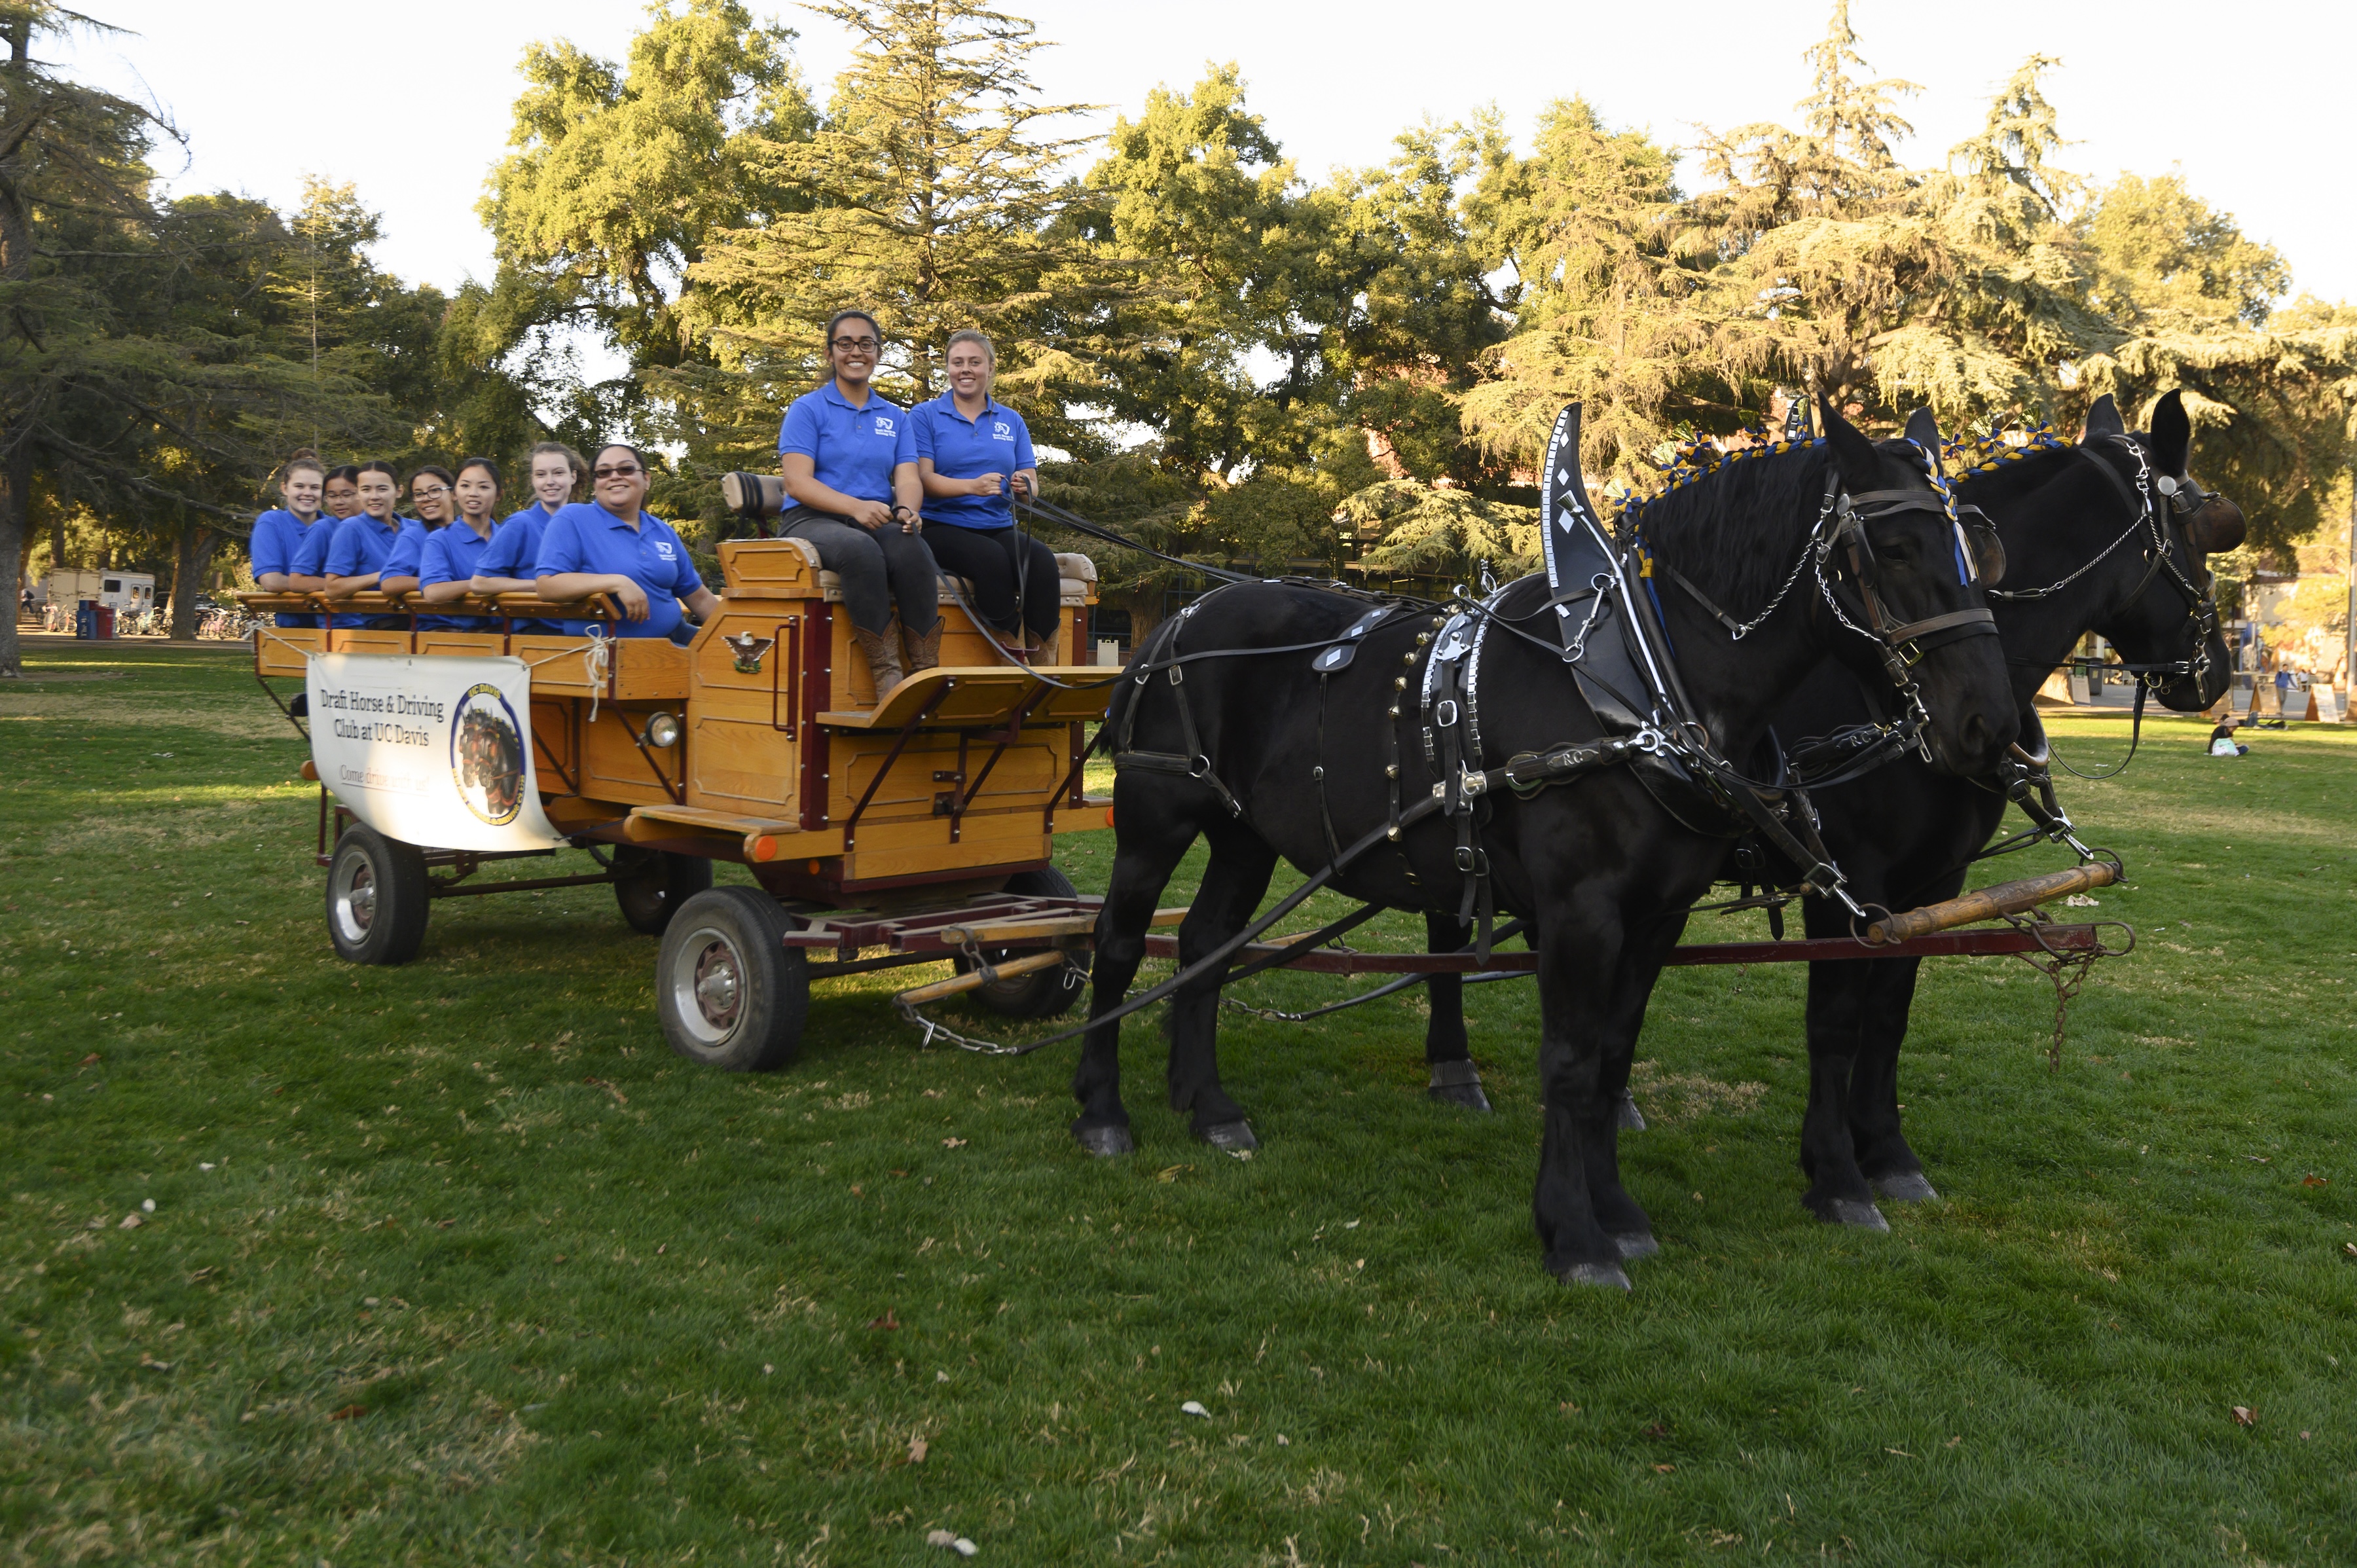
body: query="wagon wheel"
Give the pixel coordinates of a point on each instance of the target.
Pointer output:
(1043, 994)
(377, 898)
(651, 884)
(729, 991)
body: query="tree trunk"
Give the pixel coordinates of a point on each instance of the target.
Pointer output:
(16, 487)
(198, 543)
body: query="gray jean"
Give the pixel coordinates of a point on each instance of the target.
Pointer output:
(879, 567)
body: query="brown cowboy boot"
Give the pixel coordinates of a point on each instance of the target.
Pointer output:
(1049, 650)
(883, 651)
(924, 651)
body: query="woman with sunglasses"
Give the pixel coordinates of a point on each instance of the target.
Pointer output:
(429, 498)
(974, 456)
(609, 547)
(446, 566)
(849, 458)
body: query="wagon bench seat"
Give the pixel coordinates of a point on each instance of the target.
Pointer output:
(982, 697)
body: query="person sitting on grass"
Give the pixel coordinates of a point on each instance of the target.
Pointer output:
(609, 545)
(445, 567)
(364, 541)
(2222, 742)
(974, 456)
(278, 534)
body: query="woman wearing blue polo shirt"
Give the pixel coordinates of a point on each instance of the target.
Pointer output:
(609, 547)
(364, 542)
(429, 498)
(446, 566)
(972, 455)
(340, 498)
(850, 463)
(278, 534)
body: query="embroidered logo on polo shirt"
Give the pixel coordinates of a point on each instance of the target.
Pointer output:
(1001, 431)
(883, 426)
(662, 548)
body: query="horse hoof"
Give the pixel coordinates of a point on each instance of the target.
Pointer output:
(1631, 1119)
(1636, 1244)
(1468, 1095)
(1105, 1142)
(1907, 1187)
(1235, 1137)
(1609, 1275)
(1854, 1211)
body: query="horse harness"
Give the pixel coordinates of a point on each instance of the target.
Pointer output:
(1610, 633)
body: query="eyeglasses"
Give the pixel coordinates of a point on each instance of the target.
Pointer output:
(866, 345)
(619, 471)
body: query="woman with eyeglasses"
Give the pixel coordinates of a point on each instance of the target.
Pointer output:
(446, 566)
(609, 545)
(974, 457)
(364, 542)
(849, 458)
(429, 498)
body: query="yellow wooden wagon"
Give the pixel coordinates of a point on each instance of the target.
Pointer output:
(882, 829)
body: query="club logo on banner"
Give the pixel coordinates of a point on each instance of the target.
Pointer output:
(434, 751)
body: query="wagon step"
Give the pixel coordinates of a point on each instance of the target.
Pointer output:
(983, 697)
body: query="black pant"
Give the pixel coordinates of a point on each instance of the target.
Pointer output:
(879, 567)
(1015, 581)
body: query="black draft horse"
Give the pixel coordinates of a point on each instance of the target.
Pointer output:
(1906, 834)
(1603, 873)
(2120, 555)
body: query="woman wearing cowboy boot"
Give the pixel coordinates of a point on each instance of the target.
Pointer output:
(849, 458)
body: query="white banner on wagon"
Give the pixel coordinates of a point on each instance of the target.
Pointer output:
(434, 751)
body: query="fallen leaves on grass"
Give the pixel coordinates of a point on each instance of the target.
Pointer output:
(918, 1449)
(953, 1142)
(349, 1412)
(153, 1365)
(2246, 1416)
(620, 1098)
(2312, 1179)
(950, 1543)
(1657, 1430)
(1171, 1173)
(887, 1321)
(130, 1222)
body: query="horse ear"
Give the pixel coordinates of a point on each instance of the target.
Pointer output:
(2172, 433)
(1923, 429)
(1861, 465)
(2102, 420)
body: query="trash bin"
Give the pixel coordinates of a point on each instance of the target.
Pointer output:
(86, 619)
(104, 630)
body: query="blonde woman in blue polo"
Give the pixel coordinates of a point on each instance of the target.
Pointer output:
(974, 456)
(849, 458)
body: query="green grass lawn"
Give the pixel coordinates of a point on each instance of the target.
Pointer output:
(457, 1264)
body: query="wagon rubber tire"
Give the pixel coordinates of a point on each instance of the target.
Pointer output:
(651, 884)
(377, 898)
(1043, 994)
(728, 991)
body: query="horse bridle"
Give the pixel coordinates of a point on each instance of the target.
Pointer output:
(2180, 497)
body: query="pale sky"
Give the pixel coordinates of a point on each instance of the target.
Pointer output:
(411, 102)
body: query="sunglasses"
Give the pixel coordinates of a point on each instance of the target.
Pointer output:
(618, 472)
(846, 345)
